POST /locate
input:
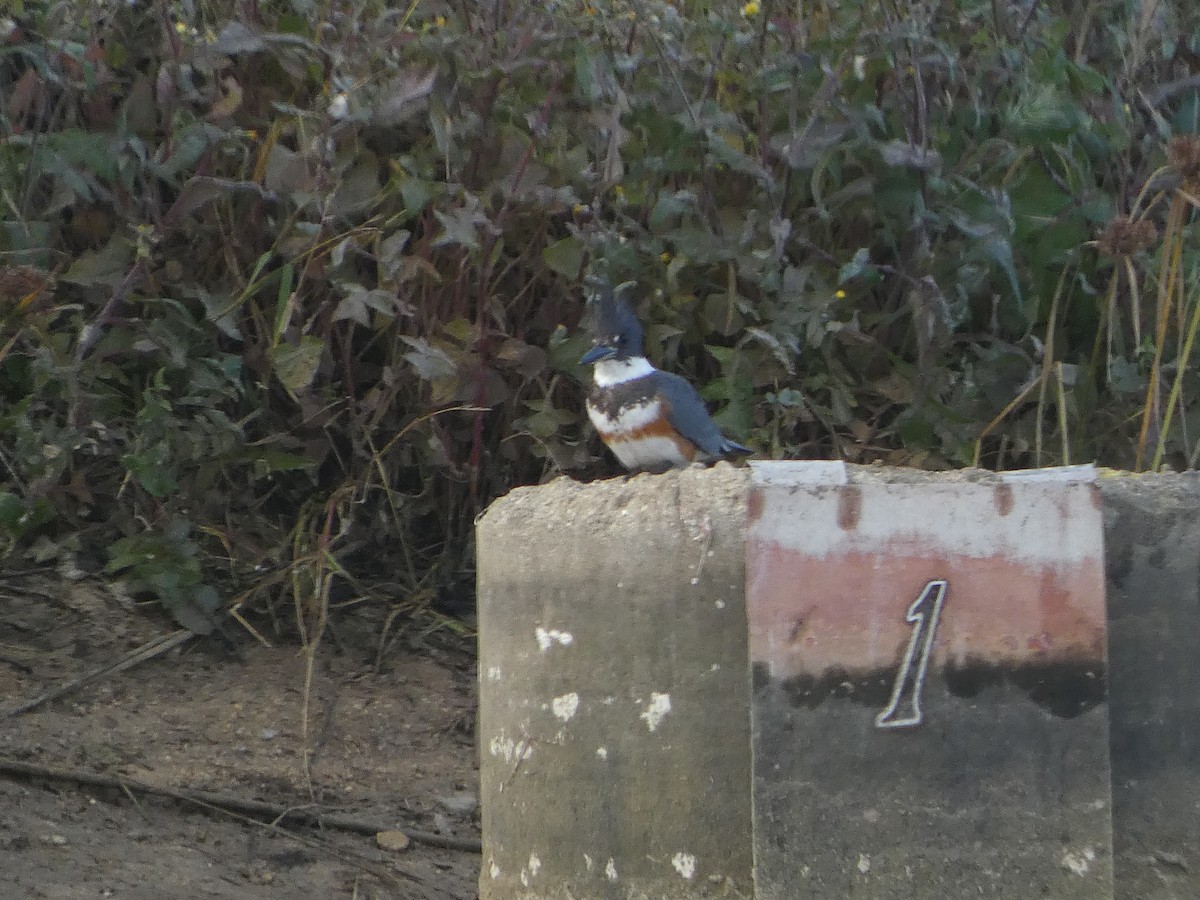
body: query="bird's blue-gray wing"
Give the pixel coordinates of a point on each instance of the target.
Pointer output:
(688, 415)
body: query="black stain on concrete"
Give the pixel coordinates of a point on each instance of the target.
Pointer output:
(1064, 690)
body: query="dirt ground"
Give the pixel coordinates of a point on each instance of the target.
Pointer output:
(391, 745)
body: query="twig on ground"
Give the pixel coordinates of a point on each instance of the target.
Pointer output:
(271, 812)
(147, 651)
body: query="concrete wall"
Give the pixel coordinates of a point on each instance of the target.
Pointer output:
(1152, 529)
(929, 666)
(614, 727)
(616, 654)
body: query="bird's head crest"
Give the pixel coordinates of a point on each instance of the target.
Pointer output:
(610, 319)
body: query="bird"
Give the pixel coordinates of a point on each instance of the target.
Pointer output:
(651, 420)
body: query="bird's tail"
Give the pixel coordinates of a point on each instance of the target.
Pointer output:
(733, 448)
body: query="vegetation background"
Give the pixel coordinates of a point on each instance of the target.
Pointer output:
(289, 288)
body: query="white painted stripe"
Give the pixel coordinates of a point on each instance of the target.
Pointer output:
(1046, 523)
(799, 472)
(1086, 473)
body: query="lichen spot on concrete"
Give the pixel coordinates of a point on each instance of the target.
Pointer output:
(564, 707)
(1079, 863)
(493, 869)
(535, 865)
(610, 870)
(720, 604)
(656, 709)
(685, 865)
(602, 752)
(494, 673)
(511, 751)
(548, 637)
(864, 863)
(502, 745)
(588, 862)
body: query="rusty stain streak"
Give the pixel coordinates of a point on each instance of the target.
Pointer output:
(849, 508)
(1003, 498)
(754, 505)
(797, 631)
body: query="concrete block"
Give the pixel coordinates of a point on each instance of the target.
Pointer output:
(1152, 526)
(614, 723)
(929, 688)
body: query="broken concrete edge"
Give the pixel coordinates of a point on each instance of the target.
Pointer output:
(806, 473)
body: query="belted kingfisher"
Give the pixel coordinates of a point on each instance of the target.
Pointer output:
(651, 420)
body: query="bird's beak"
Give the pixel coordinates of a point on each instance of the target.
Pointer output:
(597, 353)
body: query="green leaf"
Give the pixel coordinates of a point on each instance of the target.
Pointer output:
(391, 253)
(153, 470)
(12, 510)
(566, 349)
(26, 242)
(917, 433)
(593, 74)
(723, 151)
(565, 257)
(359, 301)
(859, 265)
(429, 361)
(202, 190)
(416, 194)
(296, 365)
(238, 37)
(268, 462)
(359, 189)
(1000, 250)
(88, 151)
(106, 266)
(669, 208)
(461, 226)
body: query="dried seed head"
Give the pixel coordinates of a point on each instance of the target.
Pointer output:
(1125, 237)
(1183, 153)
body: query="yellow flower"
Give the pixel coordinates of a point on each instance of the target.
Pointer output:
(181, 28)
(840, 294)
(619, 192)
(665, 256)
(440, 21)
(251, 134)
(750, 10)
(579, 208)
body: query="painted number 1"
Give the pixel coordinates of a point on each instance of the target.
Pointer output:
(904, 709)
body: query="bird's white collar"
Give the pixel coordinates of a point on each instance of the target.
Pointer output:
(610, 372)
